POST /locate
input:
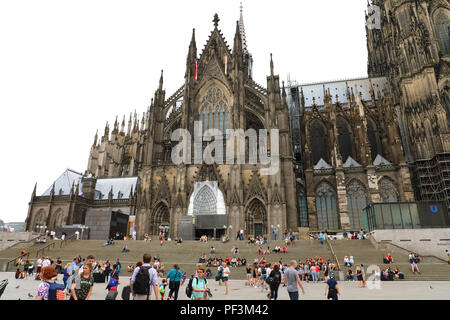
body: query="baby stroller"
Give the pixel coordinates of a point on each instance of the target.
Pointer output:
(3, 285)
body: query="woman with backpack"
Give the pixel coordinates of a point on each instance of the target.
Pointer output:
(82, 284)
(274, 283)
(46, 276)
(199, 289)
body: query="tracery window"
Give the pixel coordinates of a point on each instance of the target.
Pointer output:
(318, 143)
(214, 110)
(356, 201)
(345, 140)
(327, 215)
(387, 190)
(205, 203)
(442, 24)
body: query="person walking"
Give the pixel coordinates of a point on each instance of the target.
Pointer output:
(143, 280)
(274, 284)
(174, 277)
(292, 280)
(46, 275)
(332, 290)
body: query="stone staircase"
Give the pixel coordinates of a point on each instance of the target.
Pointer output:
(363, 252)
(188, 253)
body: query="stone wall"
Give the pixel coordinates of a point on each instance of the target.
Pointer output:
(425, 242)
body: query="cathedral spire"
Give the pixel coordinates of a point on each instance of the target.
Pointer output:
(161, 81)
(271, 65)
(242, 31)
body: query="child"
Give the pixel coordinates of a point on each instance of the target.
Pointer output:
(162, 288)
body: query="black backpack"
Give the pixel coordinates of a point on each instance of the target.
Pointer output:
(142, 282)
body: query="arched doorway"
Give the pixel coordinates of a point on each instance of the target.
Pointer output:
(160, 219)
(256, 218)
(40, 221)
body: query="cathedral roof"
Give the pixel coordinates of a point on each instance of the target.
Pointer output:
(339, 88)
(64, 183)
(351, 163)
(322, 164)
(380, 161)
(121, 187)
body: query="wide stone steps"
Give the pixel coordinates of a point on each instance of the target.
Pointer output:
(364, 253)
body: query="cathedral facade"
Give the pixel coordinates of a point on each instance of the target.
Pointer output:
(342, 145)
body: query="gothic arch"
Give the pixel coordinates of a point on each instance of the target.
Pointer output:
(318, 140)
(256, 222)
(160, 217)
(388, 190)
(40, 218)
(345, 138)
(441, 24)
(373, 136)
(58, 218)
(326, 206)
(357, 200)
(205, 202)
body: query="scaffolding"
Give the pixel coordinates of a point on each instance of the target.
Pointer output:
(432, 179)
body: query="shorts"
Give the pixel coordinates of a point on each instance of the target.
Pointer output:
(225, 279)
(262, 277)
(249, 275)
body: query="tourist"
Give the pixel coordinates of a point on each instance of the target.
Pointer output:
(248, 270)
(448, 256)
(255, 275)
(199, 289)
(58, 265)
(262, 271)
(46, 275)
(162, 288)
(346, 262)
(125, 249)
(82, 284)
(350, 275)
(67, 274)
(225, 277)
(414, 266)
(143, 280)
(332, 288)
(292, 280)
(388, 259)
(174, 277)
(315, 272)
(26, 268)
(351, 261)
(274, 284)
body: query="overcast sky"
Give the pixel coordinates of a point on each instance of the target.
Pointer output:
(67, 67)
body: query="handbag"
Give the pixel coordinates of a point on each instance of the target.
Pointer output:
(269, 281)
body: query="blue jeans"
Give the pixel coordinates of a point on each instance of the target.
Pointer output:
(314, 276)
(293, 295)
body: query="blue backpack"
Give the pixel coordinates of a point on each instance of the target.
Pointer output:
(56, 291)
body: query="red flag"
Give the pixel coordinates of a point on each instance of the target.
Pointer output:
(196, 68)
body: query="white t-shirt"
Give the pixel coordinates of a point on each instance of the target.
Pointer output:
(46, 263)
(39, 263)
(226, 272)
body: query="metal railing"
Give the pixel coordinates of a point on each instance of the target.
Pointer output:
(65, 241)
(6, 265)
(332, 252)
(44, 248)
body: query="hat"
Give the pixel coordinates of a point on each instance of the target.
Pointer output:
(331, 274)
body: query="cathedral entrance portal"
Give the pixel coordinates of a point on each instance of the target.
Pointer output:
(256, 218)
(161, 219)
(207, 206)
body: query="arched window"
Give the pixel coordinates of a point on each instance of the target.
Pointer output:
(40, 220)
(442, 23)
(387, 190)
(302, 207)
(375, 143)
(327, 215)
(318, 143)
(205, 202)
(214, 110)
(345, 139)
(356, 201)
(59, 219)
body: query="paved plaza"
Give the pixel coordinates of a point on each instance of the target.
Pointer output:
(396, 290)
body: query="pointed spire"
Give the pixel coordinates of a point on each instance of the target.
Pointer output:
(242, 31)
(131, 192)
(34, 192)
(122, 129)
(77, 190)
(271, 65)
(96, 138)
(161, 81)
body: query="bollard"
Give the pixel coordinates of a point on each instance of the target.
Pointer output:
(5, 267)
(341, 276)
